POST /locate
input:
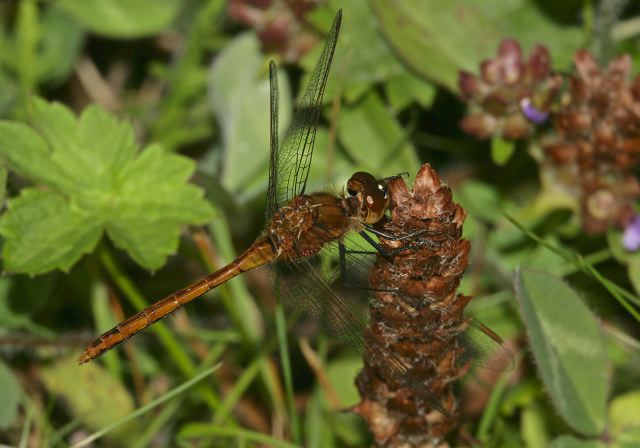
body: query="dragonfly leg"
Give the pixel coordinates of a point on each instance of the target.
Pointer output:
(377, 246)
(387, 253)
(392, 236)
(396, 176)
(342, 251)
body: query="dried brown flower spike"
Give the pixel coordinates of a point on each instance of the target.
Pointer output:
(511, 95)
(419, 323)
(596, 143)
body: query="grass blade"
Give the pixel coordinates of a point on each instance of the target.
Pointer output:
(146, 408)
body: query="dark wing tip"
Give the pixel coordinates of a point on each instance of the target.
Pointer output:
(273, 76)
(337, 21)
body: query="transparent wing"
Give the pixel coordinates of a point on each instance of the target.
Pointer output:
(318, 287)
(315, 286)
(274, 98)
(484, 348)
(290, 161)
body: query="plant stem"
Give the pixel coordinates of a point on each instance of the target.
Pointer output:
(281, 327)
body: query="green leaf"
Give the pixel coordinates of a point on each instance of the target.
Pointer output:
(573, 442)
(374, 138)
(122, 18)
(240, 100)
(624, 413)
(347, 427)
(350, 429)
(54, 121)
(362, 56)
(629, 438)
(501, 150)
(112, 144)
(60, 44)
(27, 153)
(92, 394)
(44, 231)
(437, 39)
(568, 347)
(405, 89)
(542, 258)
(98, 179)
(337, 371)
(10, 391)
(481, 200)
(153, 200)
(533, 428)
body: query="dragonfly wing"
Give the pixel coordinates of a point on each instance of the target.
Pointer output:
(274, 98)
(290, 162)
(484, 348)
(315, 286)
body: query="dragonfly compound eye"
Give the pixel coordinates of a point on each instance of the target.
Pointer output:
(372, 193)
(358, 182)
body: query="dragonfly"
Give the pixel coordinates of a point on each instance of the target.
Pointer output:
(314, 260)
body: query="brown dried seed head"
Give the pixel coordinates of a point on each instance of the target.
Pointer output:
(597, 134)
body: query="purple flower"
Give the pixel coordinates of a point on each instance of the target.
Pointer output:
(631, 236)
(530, 111)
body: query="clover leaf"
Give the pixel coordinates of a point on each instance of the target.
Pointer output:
(90, 176)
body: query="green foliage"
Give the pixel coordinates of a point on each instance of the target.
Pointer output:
(501, 150)
(98, 181)
(182, 116)
(432, 37)
(241, 103)
(10, 391)
(366, 129)
(122, 18)
(358, 70)
(92, 393)
(624, 418)
(534, 431)
(126, 422)
(41, 48)
(573, 442)
(568, 347)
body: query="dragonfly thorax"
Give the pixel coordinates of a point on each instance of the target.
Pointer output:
(302, 227)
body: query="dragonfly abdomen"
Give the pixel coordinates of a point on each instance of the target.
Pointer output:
(260, 253)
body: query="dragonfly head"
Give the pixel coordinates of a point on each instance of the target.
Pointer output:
(372, 195)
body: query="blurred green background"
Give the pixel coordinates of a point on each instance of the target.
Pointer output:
(163, 106)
